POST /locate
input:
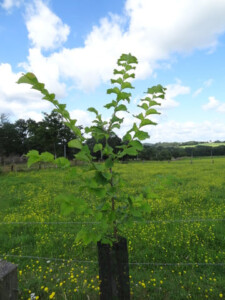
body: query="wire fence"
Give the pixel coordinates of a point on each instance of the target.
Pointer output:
(130, 263)
(138, 222)
(194, 269)
(49, 259)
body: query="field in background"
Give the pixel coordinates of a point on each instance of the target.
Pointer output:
(204, 144)
(186, 226)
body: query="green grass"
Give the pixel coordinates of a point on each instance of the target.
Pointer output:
(204, 144)
(180, 191)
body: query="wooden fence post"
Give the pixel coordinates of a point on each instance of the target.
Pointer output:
(8, 281)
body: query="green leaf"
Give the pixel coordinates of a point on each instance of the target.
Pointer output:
(127, 137)
(114, 90)
(75, 144)
(156, 89)
(65, 114)
(98, 191)
(62, 106)
(33, 157)
(84, 236)
(152, 111)
(124, 96)
(144, 106)
(137, 145)
(109, 163)
(134, 128)
(82, 156)
(62, 162)
(49, 97)
(161, 96)
(131, 151)
(141, 135)
(29, 78)
(118, 72)
(33, 153)
(147, 122)
(126, 85)
(153, 103)
(118, 80)
(107, 150)
(128, 67)
(92, 109)
(111, 104)
(128, 58)
(127, 75)
(121, 107)
(99, 167)
(140, 117)
(97, 147)
(116, 119)
(107, 175)
(47, 157)
(116, 125)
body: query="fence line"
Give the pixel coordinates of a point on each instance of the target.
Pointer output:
(138, 222)
(49, 259)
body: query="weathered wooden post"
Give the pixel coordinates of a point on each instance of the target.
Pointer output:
(8, 281)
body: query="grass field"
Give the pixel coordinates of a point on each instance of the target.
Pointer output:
(186, 225)
(204, 144)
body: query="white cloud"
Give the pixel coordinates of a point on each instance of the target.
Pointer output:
(19, 101)
(221, 108)
(180, 132)
(45, 29)
(197, 92)
(213, 103)
(165, 131)
(206, 84)
(174, 90)
(9, 4)
(151, 30)
(46, 70)
(83, 118)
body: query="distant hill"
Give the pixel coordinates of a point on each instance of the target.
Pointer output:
(215, 144)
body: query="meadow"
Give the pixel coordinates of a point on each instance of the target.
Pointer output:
(178, 253)
(204, 144)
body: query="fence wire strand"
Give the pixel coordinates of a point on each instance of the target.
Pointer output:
(49, 259)
(138, 222)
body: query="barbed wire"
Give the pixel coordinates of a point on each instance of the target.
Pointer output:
(138, 222)
(49, 259)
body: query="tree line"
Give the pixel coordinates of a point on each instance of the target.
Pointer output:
(165, 151)
(50, 134)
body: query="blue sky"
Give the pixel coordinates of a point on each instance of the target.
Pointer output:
(73, 46)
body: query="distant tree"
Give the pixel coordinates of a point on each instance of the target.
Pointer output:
(9, 140)
(4, 118)
(53, 136)
(21, 127)
(164, 154)
(148, 153)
